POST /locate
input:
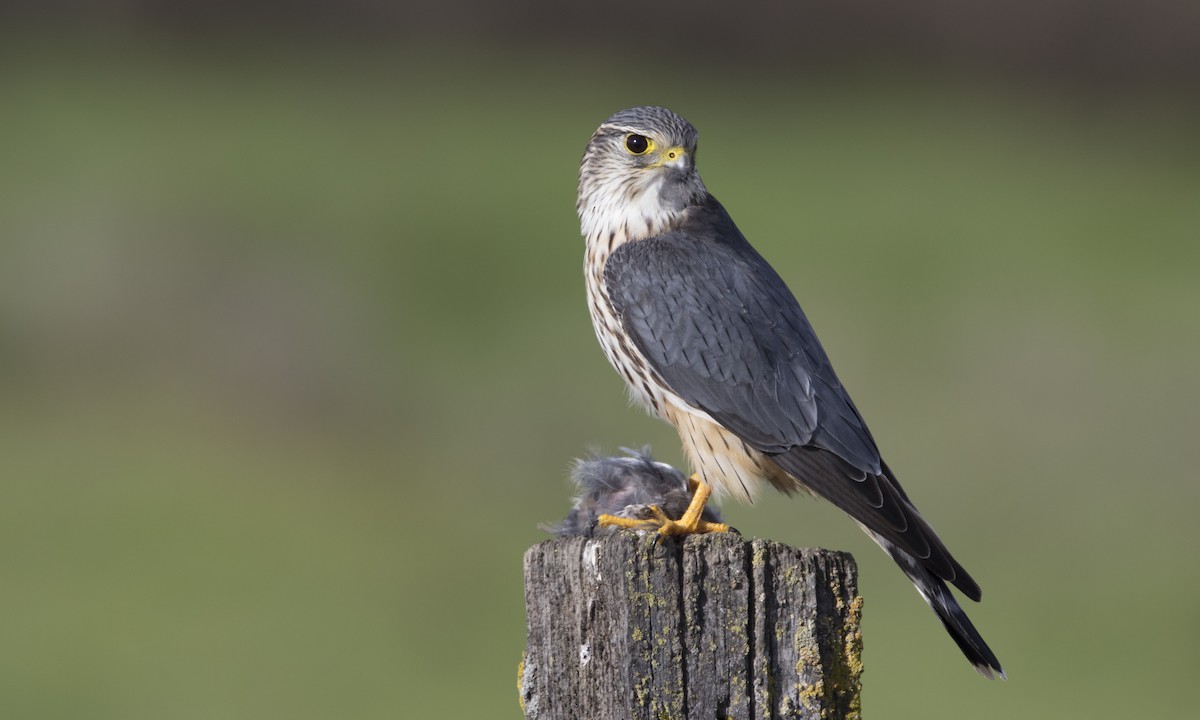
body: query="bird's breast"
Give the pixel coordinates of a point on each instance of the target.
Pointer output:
(644, 385)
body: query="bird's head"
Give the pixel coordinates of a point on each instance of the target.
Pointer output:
(638, 174)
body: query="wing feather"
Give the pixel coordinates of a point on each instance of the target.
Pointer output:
(726, 334)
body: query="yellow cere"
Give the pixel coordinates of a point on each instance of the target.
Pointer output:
(669, 155)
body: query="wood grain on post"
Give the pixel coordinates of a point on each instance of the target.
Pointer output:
(621, 627)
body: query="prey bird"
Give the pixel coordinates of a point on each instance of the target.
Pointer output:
(709, 338)
(634, 487)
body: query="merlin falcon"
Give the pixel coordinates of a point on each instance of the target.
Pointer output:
(709, 338)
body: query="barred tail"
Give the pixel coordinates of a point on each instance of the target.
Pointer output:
(947, 609)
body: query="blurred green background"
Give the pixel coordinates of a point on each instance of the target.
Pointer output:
(294, 354)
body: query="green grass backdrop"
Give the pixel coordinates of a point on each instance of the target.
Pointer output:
(294, 356)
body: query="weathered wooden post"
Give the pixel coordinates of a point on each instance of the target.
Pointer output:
(621, 627)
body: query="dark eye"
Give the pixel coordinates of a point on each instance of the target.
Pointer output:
(637, 144)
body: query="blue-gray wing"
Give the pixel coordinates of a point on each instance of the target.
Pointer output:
(725, 333)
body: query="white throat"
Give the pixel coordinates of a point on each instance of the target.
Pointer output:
(623, 207)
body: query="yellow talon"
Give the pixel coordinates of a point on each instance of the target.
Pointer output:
(607, 520)
(690, 523)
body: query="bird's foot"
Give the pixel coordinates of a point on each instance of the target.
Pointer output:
(692, 522)
(689, 524)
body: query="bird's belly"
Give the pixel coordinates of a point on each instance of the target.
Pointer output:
(721, 458)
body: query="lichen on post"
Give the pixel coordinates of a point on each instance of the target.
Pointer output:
(627, 626)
